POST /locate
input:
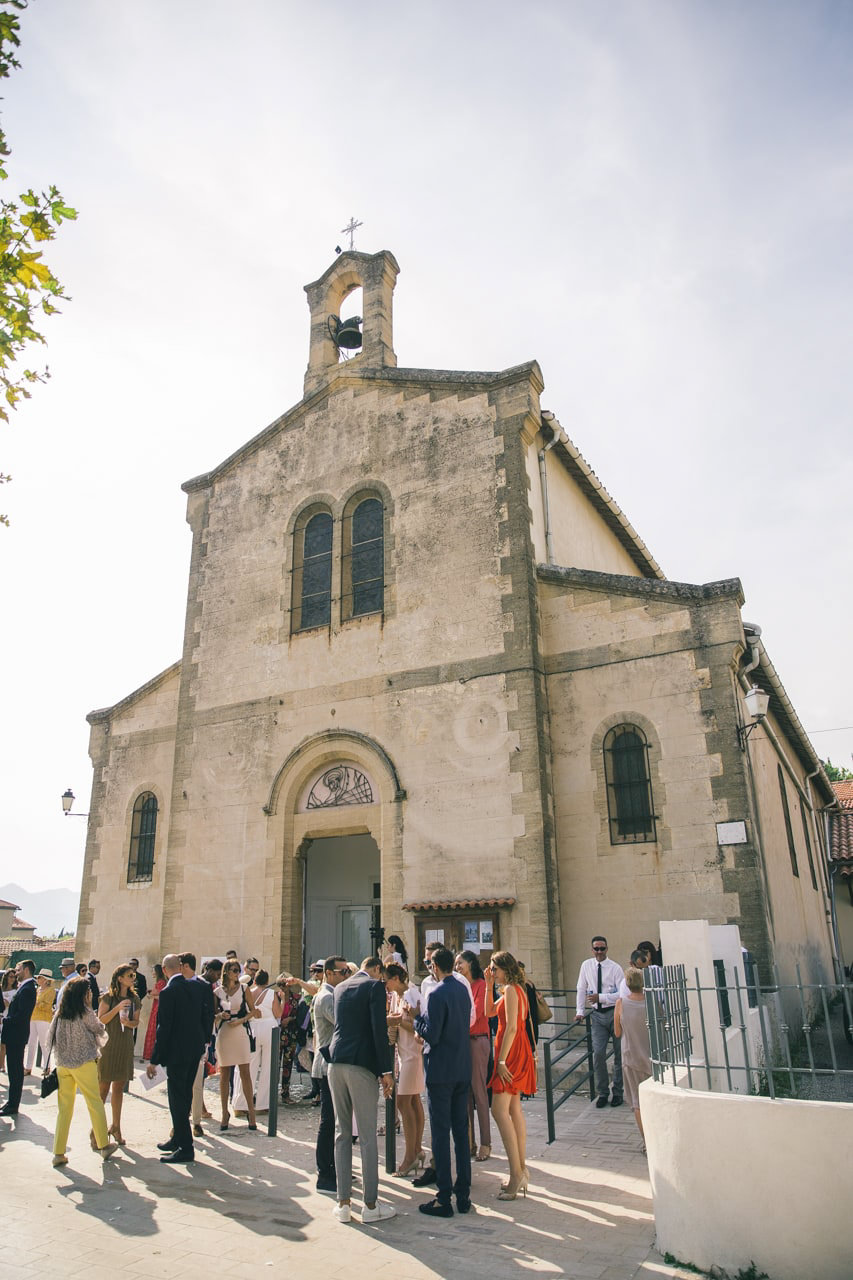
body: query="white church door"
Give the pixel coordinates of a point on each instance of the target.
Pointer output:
(341, 875)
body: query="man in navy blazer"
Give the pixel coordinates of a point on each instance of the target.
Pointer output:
(16, 1033)
(445, 1026)
(178, 1045)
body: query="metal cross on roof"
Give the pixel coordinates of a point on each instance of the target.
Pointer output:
(350, 230)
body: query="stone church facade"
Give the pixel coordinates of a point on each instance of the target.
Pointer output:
(433, 682)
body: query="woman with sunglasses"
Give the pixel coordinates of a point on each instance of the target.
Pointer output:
(235, 1009)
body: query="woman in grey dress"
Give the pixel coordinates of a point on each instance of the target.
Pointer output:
(629, 1022)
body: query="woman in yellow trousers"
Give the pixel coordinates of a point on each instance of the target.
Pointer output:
(75, 1039)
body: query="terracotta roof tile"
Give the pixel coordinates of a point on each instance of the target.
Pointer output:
(844, 793)
(460, 904)
(21, 924)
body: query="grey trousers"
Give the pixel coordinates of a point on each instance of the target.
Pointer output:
(601, 1028)
(355, 1089)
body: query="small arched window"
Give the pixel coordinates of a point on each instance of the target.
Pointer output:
(312, 571)
(363, 564)
(629, 786)
(143, 830)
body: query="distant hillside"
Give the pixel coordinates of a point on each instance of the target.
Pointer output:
(50, 910)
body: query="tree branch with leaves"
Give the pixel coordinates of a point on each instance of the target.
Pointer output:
(28, 288)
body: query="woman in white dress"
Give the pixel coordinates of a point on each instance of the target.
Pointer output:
(264, 998)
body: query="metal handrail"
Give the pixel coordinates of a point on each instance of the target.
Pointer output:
(575, 1037)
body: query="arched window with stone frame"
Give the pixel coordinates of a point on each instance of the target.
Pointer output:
(143, 833)
(629, 786)
(311, 587)
(363, 556)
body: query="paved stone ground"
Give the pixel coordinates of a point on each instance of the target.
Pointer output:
(249, 1203)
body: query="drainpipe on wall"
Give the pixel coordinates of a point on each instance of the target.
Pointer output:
(559, 436)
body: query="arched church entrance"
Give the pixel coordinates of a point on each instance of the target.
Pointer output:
(336, 811)
(343, 897)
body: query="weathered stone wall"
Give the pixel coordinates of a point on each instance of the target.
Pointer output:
(442, 683)
(132, 750)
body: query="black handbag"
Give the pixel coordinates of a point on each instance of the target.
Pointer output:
(244, 1013)
(49, 1083)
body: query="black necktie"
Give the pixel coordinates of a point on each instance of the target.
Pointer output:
(599, 984)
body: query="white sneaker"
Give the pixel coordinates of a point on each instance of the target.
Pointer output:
(378, 1214)
(342, 1212)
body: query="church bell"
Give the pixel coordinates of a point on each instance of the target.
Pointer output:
(346, 333)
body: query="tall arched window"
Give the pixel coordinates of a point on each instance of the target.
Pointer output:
(363, 564)
(143, 830)
(629, 786)
(312, 570)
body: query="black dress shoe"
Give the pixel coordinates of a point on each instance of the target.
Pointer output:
(327, 1184)
(616, 1100)
(602, 1101)
(168, 1145)
(435, 1209)
(6, 1111)
(426, 1178)
(463, 1206)
(178, 1157)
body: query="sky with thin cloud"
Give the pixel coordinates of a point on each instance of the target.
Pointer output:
(651, 199)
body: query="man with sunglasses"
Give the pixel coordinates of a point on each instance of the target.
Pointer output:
(334, 970)
(598, 990)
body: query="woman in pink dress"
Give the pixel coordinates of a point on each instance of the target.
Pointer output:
(151, 1030)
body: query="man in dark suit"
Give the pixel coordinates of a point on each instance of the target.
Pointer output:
(16, 1032)
(203, 992)
(178, 1045)
(445, 1028)
(360, 1060)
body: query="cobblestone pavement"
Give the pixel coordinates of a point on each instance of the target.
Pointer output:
(249, 1203)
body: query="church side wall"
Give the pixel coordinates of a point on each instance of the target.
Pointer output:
(662, 665)
(580, 536)
(799, 911)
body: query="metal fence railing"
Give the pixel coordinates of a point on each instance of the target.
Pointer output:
(746, 1035)
(566, 1049)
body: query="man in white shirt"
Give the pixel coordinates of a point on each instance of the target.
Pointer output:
(598, 990)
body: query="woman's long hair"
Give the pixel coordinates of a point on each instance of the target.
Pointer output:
(113, 989)
(73, 1001)
(513, 970)
(395, 970)
(473, 964)
(159, 975)
(399, 945)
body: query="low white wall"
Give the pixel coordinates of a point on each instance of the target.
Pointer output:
(737, 1178)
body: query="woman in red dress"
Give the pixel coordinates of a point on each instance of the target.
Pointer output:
(515, 1070)
(151, 1030)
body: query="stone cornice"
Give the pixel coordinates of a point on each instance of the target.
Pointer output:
(625, 584)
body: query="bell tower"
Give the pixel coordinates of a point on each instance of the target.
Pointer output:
(375, 274)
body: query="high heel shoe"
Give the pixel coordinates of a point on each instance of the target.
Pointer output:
(524, 1183)
(413, 1169)
(224, 1123)
(115, 1132)
(510, 1192)
(93, 1140)
(483, 1153)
